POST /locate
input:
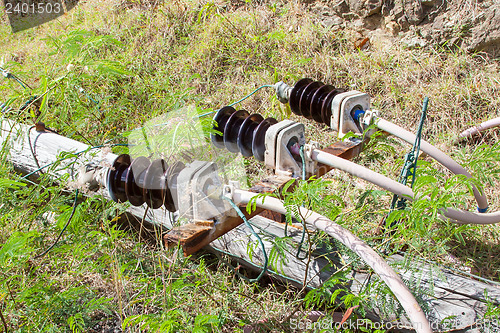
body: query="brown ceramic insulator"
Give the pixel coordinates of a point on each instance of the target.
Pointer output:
(317, 102)
(259, 138)
(155, 183)
(306, 96)
(117, 178)
(170, 191)
(243, 132)
(232, 128)
(313, 100)
(246, 134)
(295, 95)
(133, 189)
(326, 108)
(140, 181)
(221, 118)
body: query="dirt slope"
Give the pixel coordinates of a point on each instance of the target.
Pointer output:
(471, 25)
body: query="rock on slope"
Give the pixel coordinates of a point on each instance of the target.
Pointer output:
(473, 25)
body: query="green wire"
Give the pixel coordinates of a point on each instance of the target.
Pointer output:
(247, 223)
(84, 92)
(253, 92)
(410, 165)
(302, 157)
(239, 101)
(416, 146)
(299, 249)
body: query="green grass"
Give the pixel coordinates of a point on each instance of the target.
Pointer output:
(141, 63)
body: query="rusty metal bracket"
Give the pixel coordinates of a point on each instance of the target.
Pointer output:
(345, 149)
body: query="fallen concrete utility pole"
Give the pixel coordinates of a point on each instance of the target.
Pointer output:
(441, 293)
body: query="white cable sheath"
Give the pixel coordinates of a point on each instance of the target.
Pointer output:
(432, 151)
(465, 217)
(495, 122)
(367, 254)
(456, 215)
(363, 173)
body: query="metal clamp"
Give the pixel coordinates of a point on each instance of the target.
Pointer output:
(343, 107)
(227, 192)
(91, 176)
(280, 139)
(368, 117)
(311, 165)
(229, 188)
(282, 91)
(198, 190)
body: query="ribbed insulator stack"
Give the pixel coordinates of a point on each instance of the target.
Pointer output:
(241, 132)
(313, 100)
(141, 181)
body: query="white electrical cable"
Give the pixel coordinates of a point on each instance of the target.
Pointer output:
(435, 153)
(363, 173)
(456, 215)
(465, 217)
(377, 263)
(479, 128)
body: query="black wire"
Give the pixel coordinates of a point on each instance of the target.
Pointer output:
(75, 204)
(10, 75)
(21, 82)
(33, 150)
